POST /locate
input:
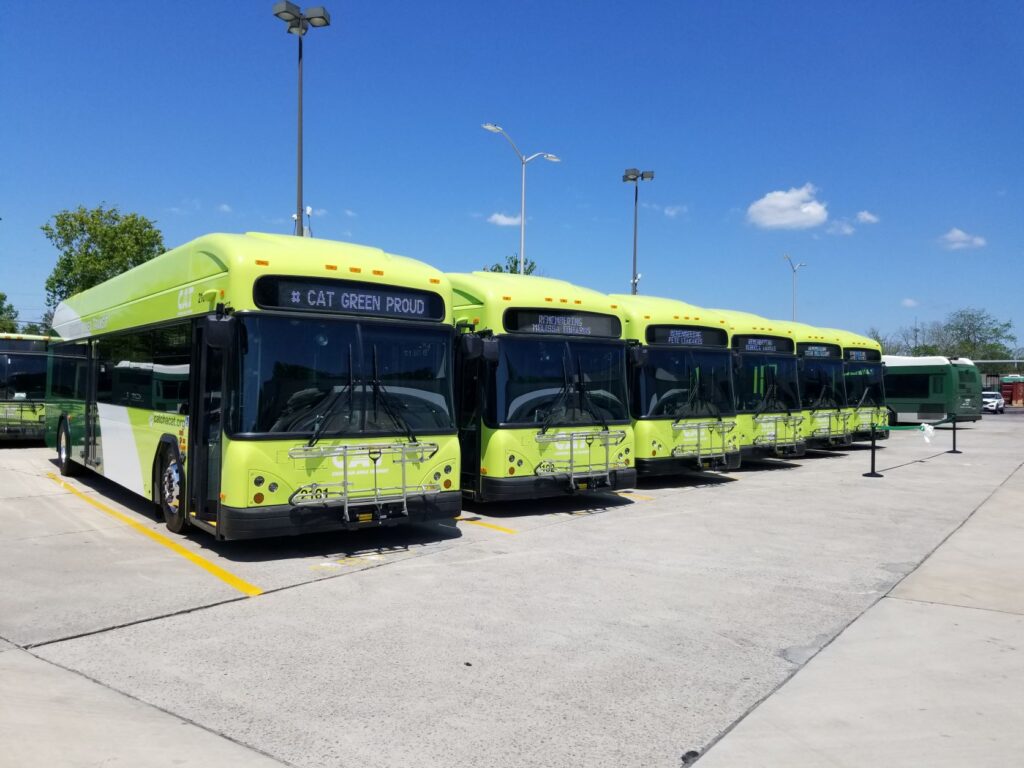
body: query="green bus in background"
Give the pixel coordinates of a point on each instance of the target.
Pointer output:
(765, 380)
(681, 390)
(541, 369)
(262, 385)
(22, 386)
(931, 389)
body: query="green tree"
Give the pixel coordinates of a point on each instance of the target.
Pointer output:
(95, 245)
(8, 315)
(511, 265)
(976, 334)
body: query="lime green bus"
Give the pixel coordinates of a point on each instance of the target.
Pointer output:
(865, 387)
(765, 380)
(542, 391)
(22, 386)
(681, 392)
(931, 389)
(263, 385)
(826, 417)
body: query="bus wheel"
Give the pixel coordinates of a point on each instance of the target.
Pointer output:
(170, 491)
(893, 419)
(68, 468)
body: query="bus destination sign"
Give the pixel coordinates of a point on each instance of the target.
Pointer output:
(688, 336)
(562, 322)
(864, 355)
(819, 350)
(764, 344)
(347, 297)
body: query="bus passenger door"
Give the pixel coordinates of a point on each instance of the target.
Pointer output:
(92, 456)
(206, 407)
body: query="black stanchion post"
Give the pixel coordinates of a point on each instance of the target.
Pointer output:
(872, 473)
(954, 438)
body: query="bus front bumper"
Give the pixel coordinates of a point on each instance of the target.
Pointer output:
(539, 486)
(774, 451)
(287, 520)
(25, 431)
(864, 435)
(673, 465)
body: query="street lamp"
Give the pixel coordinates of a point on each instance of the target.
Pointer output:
(299, 23)
(794, 267)
(635, 175)
(522, 204)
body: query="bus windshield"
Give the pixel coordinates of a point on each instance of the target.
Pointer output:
(685, 383)
(332, 378)
(766, 383)
(543, 382)
(822, 384)
(864, 385)
(22, 377)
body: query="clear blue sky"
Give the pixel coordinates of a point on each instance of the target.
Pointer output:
(892, 133)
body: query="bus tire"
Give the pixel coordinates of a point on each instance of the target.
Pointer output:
(169, 491)
(893, 418)
(67, 467)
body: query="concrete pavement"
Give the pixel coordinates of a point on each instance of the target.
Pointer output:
(930, 675)
(609, 632)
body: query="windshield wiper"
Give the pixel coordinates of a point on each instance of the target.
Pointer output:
(322, 418)
(559, 400)
(385, 398)
(586, 401)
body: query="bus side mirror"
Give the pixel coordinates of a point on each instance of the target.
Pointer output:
(638, 356)
(471, 346)
(490, 350)
(220, 332)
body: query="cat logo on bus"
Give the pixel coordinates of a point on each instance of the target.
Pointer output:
(185, 297)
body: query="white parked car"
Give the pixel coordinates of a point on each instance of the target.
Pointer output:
(992, 402)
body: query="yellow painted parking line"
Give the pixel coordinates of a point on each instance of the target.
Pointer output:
(202, 562)
(482, 524)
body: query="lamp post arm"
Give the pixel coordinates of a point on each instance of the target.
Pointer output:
(514, 147)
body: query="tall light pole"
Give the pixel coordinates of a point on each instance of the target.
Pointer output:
(299, 22)
(794, 267)
(523, 159)
(635, 175)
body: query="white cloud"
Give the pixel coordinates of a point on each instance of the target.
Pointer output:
(840, 227)
(503, 221)
(187, 206)
(320, 212)
(350, 213)
(867, 217)
(909, 303)
(670, 211)
(224, 208)
(795, 209)
(957, 239)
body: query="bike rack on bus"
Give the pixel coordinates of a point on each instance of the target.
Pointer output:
(338, 494)
(692, 446)
(772, 440)
(549, 467)
(823, 428)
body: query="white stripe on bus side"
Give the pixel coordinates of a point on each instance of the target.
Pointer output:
(120, 453)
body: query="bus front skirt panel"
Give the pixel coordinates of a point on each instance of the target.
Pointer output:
(288, 520)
